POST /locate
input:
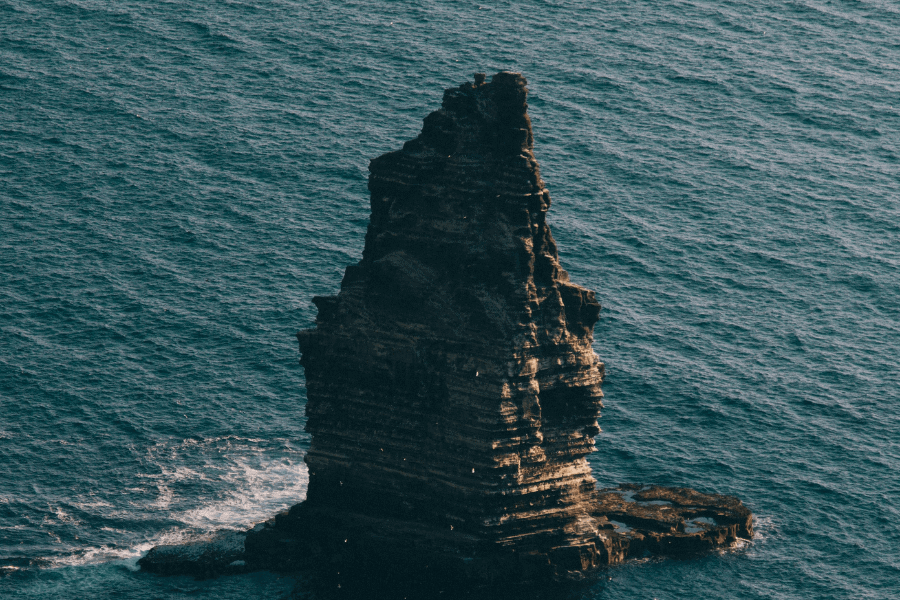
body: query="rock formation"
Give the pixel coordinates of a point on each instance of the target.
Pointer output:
(453, 392)
(451, 382)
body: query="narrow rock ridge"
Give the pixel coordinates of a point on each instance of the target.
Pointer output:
(453, 392)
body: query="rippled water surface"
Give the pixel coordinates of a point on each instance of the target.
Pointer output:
(177, 180)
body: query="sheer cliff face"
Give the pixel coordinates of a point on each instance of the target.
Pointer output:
(451, 382)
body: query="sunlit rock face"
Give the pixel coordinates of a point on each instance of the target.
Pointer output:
(451, 382)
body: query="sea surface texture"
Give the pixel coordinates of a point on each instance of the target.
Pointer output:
(178, 179)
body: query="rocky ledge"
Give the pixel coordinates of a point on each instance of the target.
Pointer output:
(453, 391)
(633, 521)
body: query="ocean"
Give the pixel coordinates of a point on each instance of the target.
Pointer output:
(177, 180)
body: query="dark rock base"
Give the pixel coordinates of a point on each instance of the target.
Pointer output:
(633, 521)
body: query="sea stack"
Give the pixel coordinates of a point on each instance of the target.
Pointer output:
(453, 392)
(452, 387)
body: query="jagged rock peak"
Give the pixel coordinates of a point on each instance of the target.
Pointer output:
(478, 118)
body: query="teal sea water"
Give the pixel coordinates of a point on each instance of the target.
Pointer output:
(178, 179)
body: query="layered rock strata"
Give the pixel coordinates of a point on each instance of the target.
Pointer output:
(453, 393)
(451, 382)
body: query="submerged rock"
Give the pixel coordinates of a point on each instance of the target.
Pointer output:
(218, 554)
(453, 392)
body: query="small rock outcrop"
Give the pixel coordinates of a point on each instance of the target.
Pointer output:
(453, 392)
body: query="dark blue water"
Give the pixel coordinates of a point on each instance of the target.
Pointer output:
(177, 180)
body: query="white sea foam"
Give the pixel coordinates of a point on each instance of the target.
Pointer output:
(764, 527)
(254, 492)
(254, 485)
(101, 554)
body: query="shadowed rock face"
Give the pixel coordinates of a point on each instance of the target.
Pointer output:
(451, 382)
(453, 393)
